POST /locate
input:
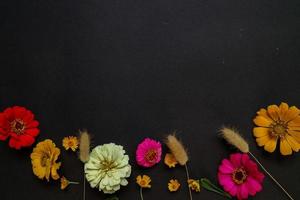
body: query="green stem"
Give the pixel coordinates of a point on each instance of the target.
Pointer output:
(141, 193)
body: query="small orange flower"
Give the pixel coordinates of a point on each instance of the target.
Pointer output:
(194, 185)
(170, 160)
(143, 181)
(70, 142)
(173, 185)
(64, 183)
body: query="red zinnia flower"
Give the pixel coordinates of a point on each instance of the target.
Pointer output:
(19, 124)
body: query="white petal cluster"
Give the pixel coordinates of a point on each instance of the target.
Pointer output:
(108, 168)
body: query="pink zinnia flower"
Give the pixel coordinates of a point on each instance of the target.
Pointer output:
(240, 176)
(148, 153)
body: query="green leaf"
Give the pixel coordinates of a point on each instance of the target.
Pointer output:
(206, 184)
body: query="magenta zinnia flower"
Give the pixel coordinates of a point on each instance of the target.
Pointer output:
(148, 153)
(240, 176)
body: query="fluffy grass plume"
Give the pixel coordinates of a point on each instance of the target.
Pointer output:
(177, 149)
(234, 138)
(84, 146)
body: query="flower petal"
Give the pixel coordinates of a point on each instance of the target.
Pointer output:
(293, 143)
(33, 132)
(295, 135)
(292, 113)
(270, 146)
(226, 167)
(285, 148)
(253, 186)
(262, 121)
(235, 159)
(263, 112)
(243, 192)
(260, 131)
(273, 112)
(283, 108)
(261, 141)
(295, 122)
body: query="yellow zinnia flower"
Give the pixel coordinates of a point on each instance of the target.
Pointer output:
(170, 160)
(43, 160)
(143, 181)
(70, 142)
(194, 185)
(173, 185)
(278, 122)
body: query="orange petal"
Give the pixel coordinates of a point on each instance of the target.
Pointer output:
(260, 131)
(295, 135)
(295, 122)
(262, 121)
(263, 112)
(273, 112)
(285, 148)
(261, 141)
(283, 108)
(293, 143)
(292, 113)
(270, 146)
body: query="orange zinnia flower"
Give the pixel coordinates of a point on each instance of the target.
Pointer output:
(278, 123)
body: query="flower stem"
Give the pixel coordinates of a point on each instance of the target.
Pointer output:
(71, 182)
(141, 193)
(188, 178)
(264, 169)
(83, 184)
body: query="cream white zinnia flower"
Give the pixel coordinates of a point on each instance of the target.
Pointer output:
(108, 168)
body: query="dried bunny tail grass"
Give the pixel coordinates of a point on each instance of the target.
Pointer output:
(234, 138)
(84, 146)
(177, 149)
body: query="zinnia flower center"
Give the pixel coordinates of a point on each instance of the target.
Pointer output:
(239, 176)
(279, 129)
(151, 155)
(44, 160)
(107, 165)
(17, 126)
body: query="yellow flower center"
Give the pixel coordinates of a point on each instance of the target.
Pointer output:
(151, 155)
(239, 176)
(279, 129)
(17, 126)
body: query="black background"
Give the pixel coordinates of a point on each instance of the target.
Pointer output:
(130, 69)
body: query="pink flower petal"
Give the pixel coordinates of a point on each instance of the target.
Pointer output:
(226, 181)
(253, 186)
(243, 192)
(226, 167)
(235, 159)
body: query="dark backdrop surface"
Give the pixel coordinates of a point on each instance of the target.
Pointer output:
(130, 69)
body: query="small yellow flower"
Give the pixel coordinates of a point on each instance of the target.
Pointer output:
(70, 142)
(143, 181)
(170, 160)
(65, 182)
(194, 185)
(43, 160)
(173, 185)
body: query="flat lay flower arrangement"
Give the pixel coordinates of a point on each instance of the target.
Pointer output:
(107, 167)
